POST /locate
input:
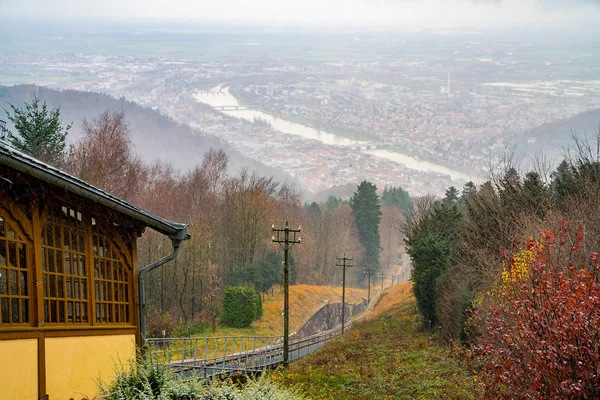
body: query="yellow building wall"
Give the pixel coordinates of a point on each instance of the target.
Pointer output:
(75, 364)
(18, 369)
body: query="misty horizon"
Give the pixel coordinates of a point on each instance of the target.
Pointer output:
(409, 13)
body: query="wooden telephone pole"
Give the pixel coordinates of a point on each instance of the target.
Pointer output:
(382, 276)
(286, 238)
(344, 263)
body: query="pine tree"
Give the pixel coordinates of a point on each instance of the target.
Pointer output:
(40, 131)
(451, 196)
(366, 208)
(468, 190)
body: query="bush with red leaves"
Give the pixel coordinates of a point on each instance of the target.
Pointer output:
(541, 338)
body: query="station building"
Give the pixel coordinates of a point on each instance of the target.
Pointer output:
(69, 309)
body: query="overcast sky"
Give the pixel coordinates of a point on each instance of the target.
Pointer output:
(413, 12)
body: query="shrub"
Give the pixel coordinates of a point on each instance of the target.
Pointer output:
(431, 256)
(158, 322)
(541, 335)
(239, 306)
(141, 381)
(147, 381)
(259, 306)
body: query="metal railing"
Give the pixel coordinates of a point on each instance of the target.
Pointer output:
(208, 356)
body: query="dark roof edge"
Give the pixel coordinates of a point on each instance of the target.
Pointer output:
(56, 177)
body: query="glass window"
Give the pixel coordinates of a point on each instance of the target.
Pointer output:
(64, 265)
(14, 276)
(111, 281)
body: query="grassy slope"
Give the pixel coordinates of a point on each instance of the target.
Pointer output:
(384, 357)
(305, 301)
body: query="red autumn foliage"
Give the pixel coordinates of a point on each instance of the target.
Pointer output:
(541, 338)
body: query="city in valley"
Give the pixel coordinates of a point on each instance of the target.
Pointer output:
(423, 109)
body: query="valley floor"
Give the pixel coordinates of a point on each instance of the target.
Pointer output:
(387, 356)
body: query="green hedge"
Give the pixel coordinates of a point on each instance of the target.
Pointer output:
(259, 308)
(241, 306)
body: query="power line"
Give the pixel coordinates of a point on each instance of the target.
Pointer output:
(286, 238)
(344, 263)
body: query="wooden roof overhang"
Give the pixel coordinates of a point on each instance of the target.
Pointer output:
(54, 177)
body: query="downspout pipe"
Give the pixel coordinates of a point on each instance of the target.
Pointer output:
(141, 283)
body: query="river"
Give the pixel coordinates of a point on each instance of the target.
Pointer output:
(220, 97)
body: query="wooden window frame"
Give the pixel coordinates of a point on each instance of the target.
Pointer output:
(30, 224)
(20, 238)
(116, 298)
(65, 267)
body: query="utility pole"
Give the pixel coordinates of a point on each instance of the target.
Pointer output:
(369, 287)
(344, 263)
(382, 276)
(286, 238)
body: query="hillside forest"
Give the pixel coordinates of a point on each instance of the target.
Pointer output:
(230, 217)
(510, 270)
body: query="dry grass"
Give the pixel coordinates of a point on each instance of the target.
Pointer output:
(386, 356)
(305, 301)
(393, 299)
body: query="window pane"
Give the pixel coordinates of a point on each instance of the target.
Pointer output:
(74, 264)
(22, 256)
(2, 233)
(3, 260)
(69, 287)
(61, 286)
(13, 282)
(5, 314)
(70, 311)
(51, 260)
(84, 289)
(82, 266)
(59, 261)
(25, 310)
(12, 254)
(61, 312)
(68, 264)
(23, 283)
(52, 286)
(52, 311)
(15, 311)
(84, 317)
(76, 291)
(3, 281)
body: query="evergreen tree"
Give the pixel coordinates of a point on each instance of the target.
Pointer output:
(332, 203)
(366, 208)
(468, 190)
(535, 194)
(40, 131)
(396, 196)
(563, 182)
(451, 196)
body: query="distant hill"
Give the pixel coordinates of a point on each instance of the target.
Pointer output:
(553, 138)
(154, 135)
